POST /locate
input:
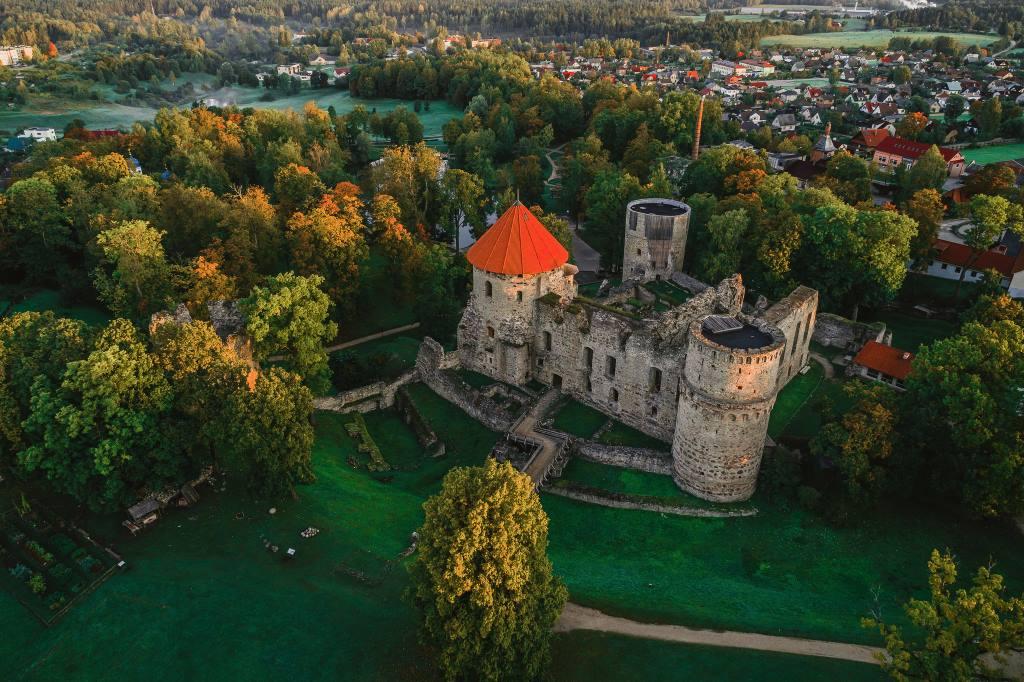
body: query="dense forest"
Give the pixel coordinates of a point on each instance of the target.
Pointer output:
(1005, 17)
(217, 23)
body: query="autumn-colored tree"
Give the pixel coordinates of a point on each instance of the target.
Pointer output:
(203, 280)
(955, 630)
(912, 125)
(297, 188)
(253, 245)
(482, 581)
(328, 240)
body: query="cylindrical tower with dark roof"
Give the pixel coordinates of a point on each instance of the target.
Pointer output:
(655, 240)
(729, 388)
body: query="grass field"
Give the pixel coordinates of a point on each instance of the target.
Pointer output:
(620, 434)
(47, 299)
(995, 153)
(619, 480)
(793, 397)
(910, 333)
(780, 572)
(203, 599)
(578, 419)
(872, 39)
(597, 656)
(111, 115)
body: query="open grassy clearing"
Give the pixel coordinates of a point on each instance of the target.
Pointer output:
(995, 153)
(598, 656)
(620, 434)
(110, 115)
(910, 333)
(619, 480)
(873, 39)
(378, 305)
(238, 611)
(577, 419)
(793, 397)
(780, 572)
(13, 300)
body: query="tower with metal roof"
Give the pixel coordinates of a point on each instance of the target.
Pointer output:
(515, 263)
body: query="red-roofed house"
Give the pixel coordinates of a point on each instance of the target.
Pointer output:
(885, 364)
(893, 152)
(867, 140)
(951, 258)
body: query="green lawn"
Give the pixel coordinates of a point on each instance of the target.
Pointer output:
(874, 39)
(806, 423)
(910, 333)
(57, 114)
(780, 572)
(619, 480)
(999, 152)
(918, 288)
(203, 599)
(620, 434)
(793, 397)
(597, 656)
(377, 304)
(48, 299)
(578, 419)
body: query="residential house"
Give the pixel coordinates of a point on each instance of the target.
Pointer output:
(13, 55)
(878, 362)
(893, 152)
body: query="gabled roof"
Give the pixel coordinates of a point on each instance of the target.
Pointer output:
(517, 244)
(909, 149)
(960, 255)
(890, 361)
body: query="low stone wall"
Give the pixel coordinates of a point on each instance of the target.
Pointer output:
(838, 332)
(616, 501)
(640, 459)
(425, 436)
(429, 363)
(376, 396)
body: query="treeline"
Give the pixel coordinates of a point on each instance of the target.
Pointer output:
(1005, 17)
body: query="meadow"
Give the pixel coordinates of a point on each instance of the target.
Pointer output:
(994, 153)
(876, 39)
(57, 114)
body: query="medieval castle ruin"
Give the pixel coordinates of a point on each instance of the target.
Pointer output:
(702, 375)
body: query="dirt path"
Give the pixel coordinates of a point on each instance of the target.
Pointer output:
(825, 363)
(554, 166)
(361, 339)
(576, 617)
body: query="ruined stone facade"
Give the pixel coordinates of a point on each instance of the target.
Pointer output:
(668, 374)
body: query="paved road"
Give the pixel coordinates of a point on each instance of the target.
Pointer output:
(576, 617)
(586, 257)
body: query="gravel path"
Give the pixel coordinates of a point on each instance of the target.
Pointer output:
(576, 617)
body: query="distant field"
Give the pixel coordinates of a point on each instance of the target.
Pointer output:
(995, 153)
(875, 39)
(110, 115)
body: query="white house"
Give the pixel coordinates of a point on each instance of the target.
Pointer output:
(40, 134)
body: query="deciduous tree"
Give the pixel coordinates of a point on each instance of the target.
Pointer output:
(482, 582)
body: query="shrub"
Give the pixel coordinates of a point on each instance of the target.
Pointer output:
(809, 497)
(37, 584)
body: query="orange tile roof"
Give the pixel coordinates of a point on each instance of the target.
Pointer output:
(517, 244)
(890, 361)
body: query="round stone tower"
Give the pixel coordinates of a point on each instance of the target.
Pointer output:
(655, 238)
(729, 388)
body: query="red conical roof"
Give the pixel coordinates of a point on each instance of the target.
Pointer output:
(517, 244)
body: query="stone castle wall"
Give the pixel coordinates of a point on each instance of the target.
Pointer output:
(795, 317)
